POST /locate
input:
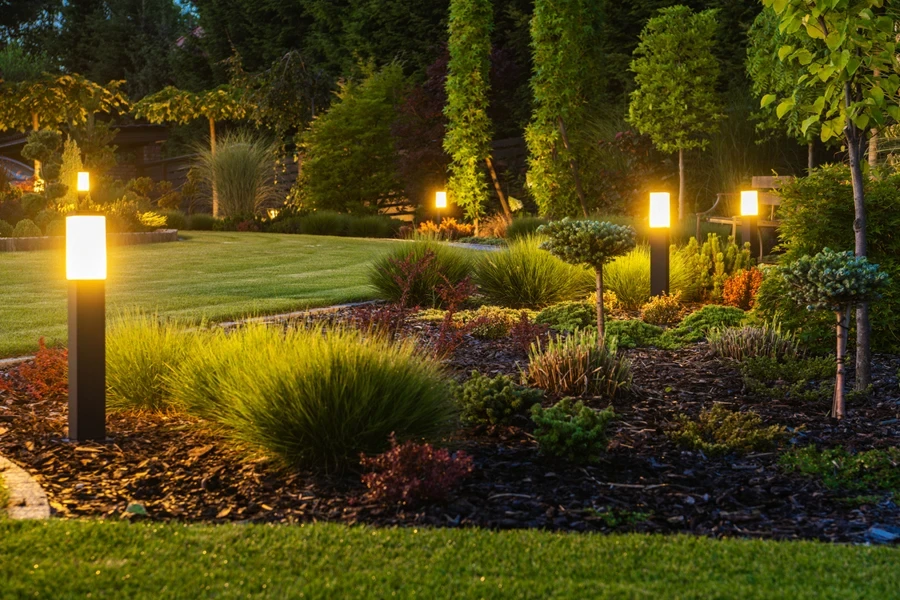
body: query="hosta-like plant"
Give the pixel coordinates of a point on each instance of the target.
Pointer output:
(835, 281)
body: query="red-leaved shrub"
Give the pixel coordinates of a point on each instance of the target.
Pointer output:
(524, 332)
(44, 377)
(411, 473)
(740, 289)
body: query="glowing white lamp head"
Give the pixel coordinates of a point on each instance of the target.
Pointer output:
(750, 203)
(84, 181)
(440, 200)
(85, 247)
(660, 210)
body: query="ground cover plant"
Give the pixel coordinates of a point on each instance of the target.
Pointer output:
(871, 470)
(495, 400)
(722, 431)
(217, 276)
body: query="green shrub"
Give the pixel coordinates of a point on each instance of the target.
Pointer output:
(813, 329)
(629, 276)
(374, 226)
(26, 228)
(790, 379)
(569, 316)
(711, 264)
(325, 222)
(663, 310)
(740, 343)
(696, 326)
(6, 230)
(242, 168)
(524, 276)
(575, 365)
(485, 400)
(634, 333)
(719, 431)
(56, 228)
(571, 430)
(175, 219)
(490, 322)
(839, 469)
(141, 353)
(447, 264)
(201, 222)
(316, 398)
(524, 227)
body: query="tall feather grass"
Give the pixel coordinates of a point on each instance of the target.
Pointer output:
(629, 277)
(524, 276)
(242, 169)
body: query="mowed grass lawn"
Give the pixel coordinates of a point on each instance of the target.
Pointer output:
(90, 559)
(213, 275)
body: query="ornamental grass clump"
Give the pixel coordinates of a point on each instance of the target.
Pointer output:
(317, 398)
(413, 272)
(577, 365)
(524, 276)
(835, 281)
(629, 276)
(571, 430)
(767, 340)
(242, 171)
(590, 243)
(496, 400)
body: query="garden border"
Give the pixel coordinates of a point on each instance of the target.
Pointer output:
(27, 499)
(27, 244)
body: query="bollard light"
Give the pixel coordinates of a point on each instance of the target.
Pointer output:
(660, 221)
(440, 200)
(86, 272)
(750, 221)
(84, 181)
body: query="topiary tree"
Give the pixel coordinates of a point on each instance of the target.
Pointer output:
(591, 243)
(676, 72)
(835, 281)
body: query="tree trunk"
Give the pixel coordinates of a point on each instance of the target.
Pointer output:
(35, 125)
(810, 157)
(601, 322)
(856, 141)
(212, 150)
(843, 327)
(506, 211)
(681, 192)
(573, 165)
(873, 149)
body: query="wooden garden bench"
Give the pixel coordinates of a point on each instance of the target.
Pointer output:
(767, 204)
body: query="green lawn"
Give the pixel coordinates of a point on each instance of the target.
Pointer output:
(78, 559)
(212, 275)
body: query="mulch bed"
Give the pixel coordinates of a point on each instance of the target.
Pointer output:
(172, 467)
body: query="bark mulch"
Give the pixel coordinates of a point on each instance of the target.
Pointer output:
(173, 467)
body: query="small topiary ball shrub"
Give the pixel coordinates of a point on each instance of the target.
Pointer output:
(839, 469)
(740, 343)
(6, 230)
(411, 473)
(315, 398)
(571, 430)
(524, 276)
(719, 431)
(569, 316)
(45, 377)
(26, 228)
(56, 228)
(663, 310)
(576, 365)
(696, 326)
(413, 272)
(786, 379)
(741, 288)
(494, 401)
(632, 333)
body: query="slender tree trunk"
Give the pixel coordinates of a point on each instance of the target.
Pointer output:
(36, 125)
(810, 157)
(601, 321)
(212, 150)
(873, 149)
(843, 327)
(855, 143)
(573, 165)
(681, 192)
(507, 213)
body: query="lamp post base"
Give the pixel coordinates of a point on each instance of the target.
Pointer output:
(659, 262)
(87, 360)
(750, 233)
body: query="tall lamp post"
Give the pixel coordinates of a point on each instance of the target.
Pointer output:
(750, 221)
(86, 273)
(440, 203)
(660, 223)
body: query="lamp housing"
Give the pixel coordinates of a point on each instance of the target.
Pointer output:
(660, 210)
(749, 203)
(440, 200)
(85, 247)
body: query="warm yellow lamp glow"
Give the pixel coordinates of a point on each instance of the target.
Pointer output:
(750, 203)
(85, 247)
(440, 200)
(84, 181)
(659, 209)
